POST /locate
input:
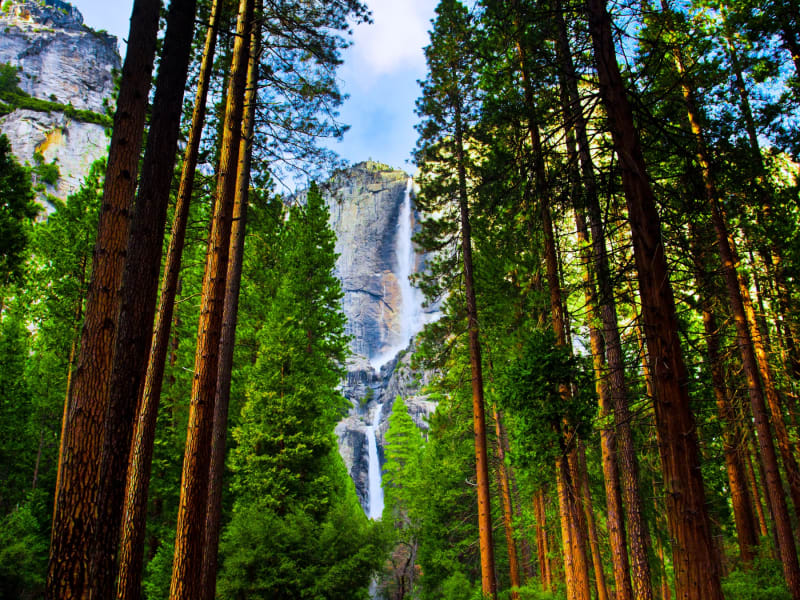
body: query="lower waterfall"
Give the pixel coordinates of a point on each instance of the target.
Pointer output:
(375, 490)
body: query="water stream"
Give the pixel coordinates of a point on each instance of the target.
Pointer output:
(374, 488)
(411, 318)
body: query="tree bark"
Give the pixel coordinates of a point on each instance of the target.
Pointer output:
(740, 499)
(542, 546)
(696, 568)
(488, 582)
(230, 313)
(187, 564)
(749, 349)
(611, 344)
(508, 511)
(139, 467)
(75, 501)
(139, 290)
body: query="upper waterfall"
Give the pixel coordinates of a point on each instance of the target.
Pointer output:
(411, 317)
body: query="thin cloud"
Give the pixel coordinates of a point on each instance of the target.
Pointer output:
(396, 37)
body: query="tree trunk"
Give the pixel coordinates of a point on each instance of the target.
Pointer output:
(488, 582)
(230, 313)
(139, 290)
(585, 494)
(139, 468)
(188, 561)
(608, 443)
(576, 564)
(749, 349)
(542, 546)
(508, 511)
(615, 385)
(740, 500)
(75, 501)
(696, 568)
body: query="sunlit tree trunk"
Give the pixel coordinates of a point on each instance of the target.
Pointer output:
(749, 349)
(139, 291)
(740, 499)
(696, 569)
(542, 544)
(187, 564)
(228, 337)
(139, 468)
(76, 496)
(488, 582)
(611, 344)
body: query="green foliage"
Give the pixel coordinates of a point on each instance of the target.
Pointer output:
(403, 450)
(46, 172)
(298, 555)
(763, 582)
(17, 210)
(297, 530)
(531, 387)
(23, 554)
(458, 587)
(292, 402)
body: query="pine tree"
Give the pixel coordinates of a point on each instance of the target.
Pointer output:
(16, 208)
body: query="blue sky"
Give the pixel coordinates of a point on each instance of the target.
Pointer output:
(380, 74)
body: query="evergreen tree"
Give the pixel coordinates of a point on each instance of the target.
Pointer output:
(17, 208)
(290, 486)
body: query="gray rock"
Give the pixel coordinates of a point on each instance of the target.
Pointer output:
(365, 203)
(59, 60)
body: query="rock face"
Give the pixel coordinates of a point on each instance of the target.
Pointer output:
(59, 60)
(366, 204)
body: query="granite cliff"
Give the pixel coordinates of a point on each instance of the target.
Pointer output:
(63, 62)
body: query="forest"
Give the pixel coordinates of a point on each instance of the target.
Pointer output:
(610, 194)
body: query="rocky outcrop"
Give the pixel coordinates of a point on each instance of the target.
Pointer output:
(60, 60)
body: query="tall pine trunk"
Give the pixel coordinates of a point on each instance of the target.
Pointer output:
(696, 569)
(138, 479)
(230, 313)
(610, 342)
(187, 564)
(76, 496)
(508, 510)
(488, 582)
(139, 290)
(740, 499)
(747, 347)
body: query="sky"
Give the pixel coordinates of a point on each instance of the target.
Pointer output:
(380, 75)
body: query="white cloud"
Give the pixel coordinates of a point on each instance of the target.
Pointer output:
(396, 37)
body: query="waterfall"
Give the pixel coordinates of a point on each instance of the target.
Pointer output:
(412, 317)
(374, 489)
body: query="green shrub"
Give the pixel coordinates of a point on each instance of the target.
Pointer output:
(763, 582)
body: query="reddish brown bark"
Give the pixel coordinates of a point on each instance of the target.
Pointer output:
(750, 348)
(139, 290)
(75, 501)
(696, 569)
(740, 499)
(228, 336)
(613, 371)
(608, 444)
(585, 494)
(188, 561)
(542, 545)
(139, 468)
(488, 582)
(508, 511)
